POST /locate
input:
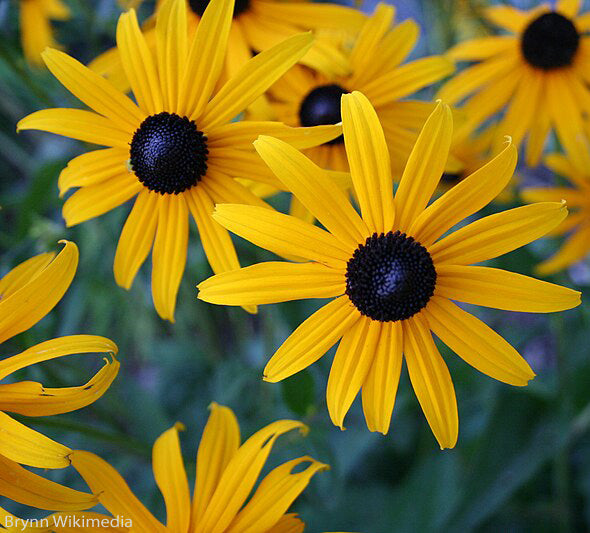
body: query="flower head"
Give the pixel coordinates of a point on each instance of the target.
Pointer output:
(393, 273)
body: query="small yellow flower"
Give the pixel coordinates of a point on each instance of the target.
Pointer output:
(538, 76)
(27, 293)
(393, 273)
(177, 150)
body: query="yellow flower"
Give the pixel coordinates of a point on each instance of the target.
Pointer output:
(27, 293)
(393, 274)
(173, 88)
(371, 64)
(35, 26)
(226, 475)
(577, 196)
(538, 76)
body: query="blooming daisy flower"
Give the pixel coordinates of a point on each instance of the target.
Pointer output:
(538, 75)
(27, 293)
(226, 475)
(392, 273)
(577, 225)
(372, 64)
(177, 150)
(35, 26)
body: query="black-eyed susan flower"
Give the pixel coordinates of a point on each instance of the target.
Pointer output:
(371, 64)
(392, 273)
(577, 225)
(538, 76)
(224, 498)
(177, 150)
(27, 293)
(35, 26)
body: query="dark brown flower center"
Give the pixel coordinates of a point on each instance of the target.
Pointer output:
(322, 106)
(199, 6)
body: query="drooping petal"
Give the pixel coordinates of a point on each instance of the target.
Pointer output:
(137, 238)
(368, 157)
(219, 444)
(476, 343)
(380, 386)
(171, 479)
(351, 364)
(431, 381)
(498, 234)
(312, 339)
(22, 486)
(113, 491)
(272, 282)
(282, 234)
(424, 167)
(500, 289)
(240, 475)
(169, 253)
(33, 300)
(275, 494)
(323, 198)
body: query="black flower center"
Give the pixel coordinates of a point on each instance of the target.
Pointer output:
(550, 41)
(322, 106)
(168, 153)
(199, 6)
(390, 277)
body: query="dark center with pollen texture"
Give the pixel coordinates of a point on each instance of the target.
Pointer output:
(168, 153)
(322, 106)
(550, 41)
(390, 277)
(199, 6)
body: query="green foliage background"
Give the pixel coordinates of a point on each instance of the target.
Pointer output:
(523, 458)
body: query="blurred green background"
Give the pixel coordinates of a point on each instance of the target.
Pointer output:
(522, 462)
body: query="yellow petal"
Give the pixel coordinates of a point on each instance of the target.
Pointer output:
(500, 289)
(424, 167)
(350, 367)
(241, 164)
(171, 479)
(316, 191)
(507, 17)
(431, 381)
(312, 339)
(498, 234)
(92, 89)
(113, 491)
(76, 124)
(22, 486)
(95, 200)
(225, 190)
(282, 234)
(569, 7)
(26, 446)
(54, 348)
(465, 198)
(272, 282)
(575, 248)
(206, 56)
(34, 299)
(481, 48)
(288, 523)
(476, 343)
(137, 238)
(254, 78)
(275, 494)
(368, 157)
(169, 253)
(380, 386)
(240, 475)
(139, 64)
(219, 444)
(23, 273)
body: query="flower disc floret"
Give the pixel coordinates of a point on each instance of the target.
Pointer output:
(550, 41)
(391, 277)
(168, 153)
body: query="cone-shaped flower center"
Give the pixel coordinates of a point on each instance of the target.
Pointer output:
(168, 153)
(199, 6)
(550, 41)
(390, 277)
(322, 106)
